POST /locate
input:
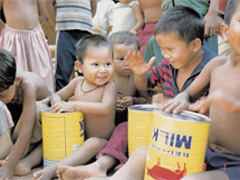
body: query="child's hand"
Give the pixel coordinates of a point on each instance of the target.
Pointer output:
(127, 101)
(119, 106)
(217, 98)
(62, 106)
(137, 63)
(177, 104)
(6, 173)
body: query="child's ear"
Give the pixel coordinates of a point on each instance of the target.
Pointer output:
(224, 31)
(78, 66)
(196, 44)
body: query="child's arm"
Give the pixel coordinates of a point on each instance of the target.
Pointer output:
(27, 121)
(51, 11)
(1, 22)
(218, 98)
(41, 10)
(140, 68)
(211, 23)
(93, 7)
(139, 16)
(193, 92)
(97, 108)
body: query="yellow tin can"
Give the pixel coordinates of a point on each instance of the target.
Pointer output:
(62, 133)
(177, 145)
(139, 125)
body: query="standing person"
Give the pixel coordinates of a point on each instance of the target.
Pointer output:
(209, 13)
(222, 154)
(115, 152)
(23, 36)
(95, 95)
(73, 21)
(152, 12)
(103, 19)
(20, 92)
(127, 16)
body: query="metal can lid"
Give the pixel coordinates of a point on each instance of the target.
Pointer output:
(185, 115)
(143, 107)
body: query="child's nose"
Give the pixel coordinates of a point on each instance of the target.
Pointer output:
(102, 69)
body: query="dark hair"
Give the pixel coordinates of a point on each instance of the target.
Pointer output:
(183, 20)
(88, 41)
(230, 10)
(7, 69)
(124, 37)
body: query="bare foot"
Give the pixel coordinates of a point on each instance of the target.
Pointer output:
(78, 172)
(46, 174)
(21, 169)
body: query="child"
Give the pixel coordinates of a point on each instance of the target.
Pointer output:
(114, 154)
(221, 74)
(20, 92)
(184, 59)
(103, 19)
(95, 95)
(127, 16)
(152, 12)
(24, 37)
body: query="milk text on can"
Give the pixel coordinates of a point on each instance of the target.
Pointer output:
(177, 145)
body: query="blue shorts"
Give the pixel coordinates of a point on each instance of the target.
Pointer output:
(224, 162)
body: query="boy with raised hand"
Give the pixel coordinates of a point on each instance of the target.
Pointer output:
(180, 34)
(95, 95)
(221, 74)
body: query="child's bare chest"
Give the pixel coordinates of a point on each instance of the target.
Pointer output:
(227, 80)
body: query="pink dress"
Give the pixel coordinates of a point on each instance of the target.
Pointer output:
(31, 51)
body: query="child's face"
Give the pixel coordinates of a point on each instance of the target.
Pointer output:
(97, 65)
(234, 30)
(8, 95)
(174, 50)
(120, 65)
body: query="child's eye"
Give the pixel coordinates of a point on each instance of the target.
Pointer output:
(109, 64)
(121, 59)
(95, 64)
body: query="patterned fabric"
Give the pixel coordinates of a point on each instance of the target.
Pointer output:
(31, 50)
(164, 74)
(74, 14)
(5, 119)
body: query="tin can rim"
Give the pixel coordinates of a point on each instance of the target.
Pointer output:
(142, 107)
(185, 115)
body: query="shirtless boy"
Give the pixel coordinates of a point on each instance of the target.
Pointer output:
(95, 95)
(221, 74)
(114, 154)
(20, 92)
(23, 36)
